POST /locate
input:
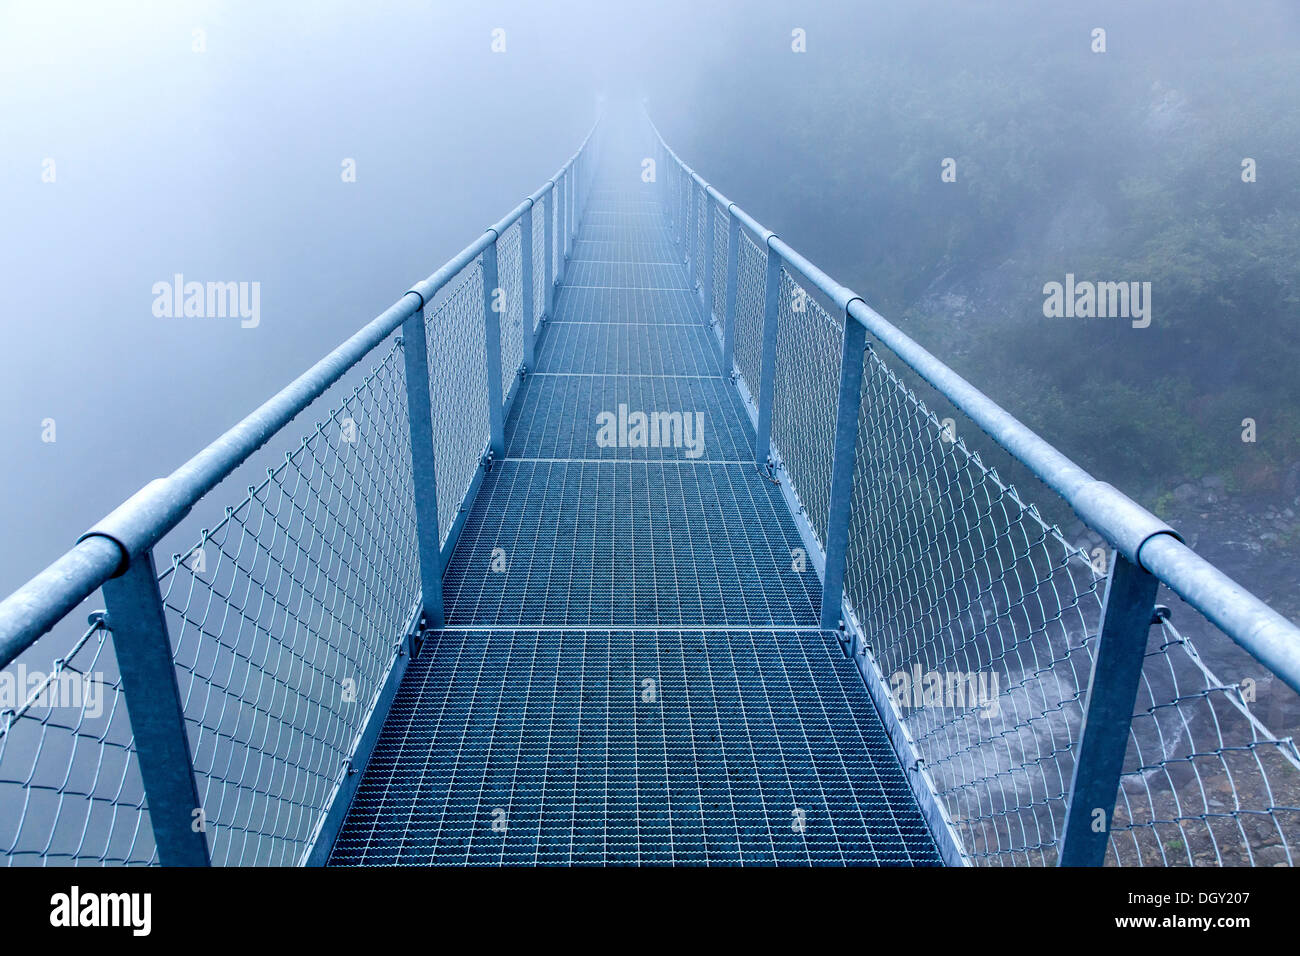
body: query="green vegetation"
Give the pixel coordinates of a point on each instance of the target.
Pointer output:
(1123, 166)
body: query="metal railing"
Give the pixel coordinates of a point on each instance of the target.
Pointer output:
(1048, 710)
(220, 707)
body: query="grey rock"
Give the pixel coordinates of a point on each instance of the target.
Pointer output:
(1271, 856)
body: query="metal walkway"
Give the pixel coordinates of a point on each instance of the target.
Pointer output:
(633, 670)
(627, 536)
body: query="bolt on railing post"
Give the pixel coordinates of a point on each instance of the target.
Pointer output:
(492, 341)
(548, 253)
(1127, 615)
(839, 509)
(729, 307)
(419, 413)
(526, 284)
(153, 704)
(767, 374)
(708, 259)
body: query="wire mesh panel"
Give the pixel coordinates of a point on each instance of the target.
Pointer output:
(553, 205)
(805, 396)
(70, 789)
(751, 265)
(1206, 782)
(510, 276)
(718, 297)
(697, 234)
(458, 389)
(541, 210)
(286, 615)
(689, 213)
(978, 615)
(983, 621)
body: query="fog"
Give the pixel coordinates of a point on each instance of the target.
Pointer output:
(209, 140)
(965, 166)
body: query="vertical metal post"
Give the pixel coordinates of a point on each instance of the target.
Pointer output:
(767, 375)
(419, 411)
(526, 282)
(678, 214)
(567, 179)
(492, 340)
(568, 211)
(662, 177)
(548, 250)
(579, 195)
(681, 213)
(562, 224)
(665, 172)
(1126, 617)
(679, 210)
(691, 231)
(708, 258)
(729, 315)
(840, 509)
(153, 703)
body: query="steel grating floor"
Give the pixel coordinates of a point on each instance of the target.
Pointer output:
(555, 416)
(632, 671)
(747, 747)
(644, 544)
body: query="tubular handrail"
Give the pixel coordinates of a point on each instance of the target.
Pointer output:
(105, 551)
(1132, 530)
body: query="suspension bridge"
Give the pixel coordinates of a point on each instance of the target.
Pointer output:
(630, 537)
